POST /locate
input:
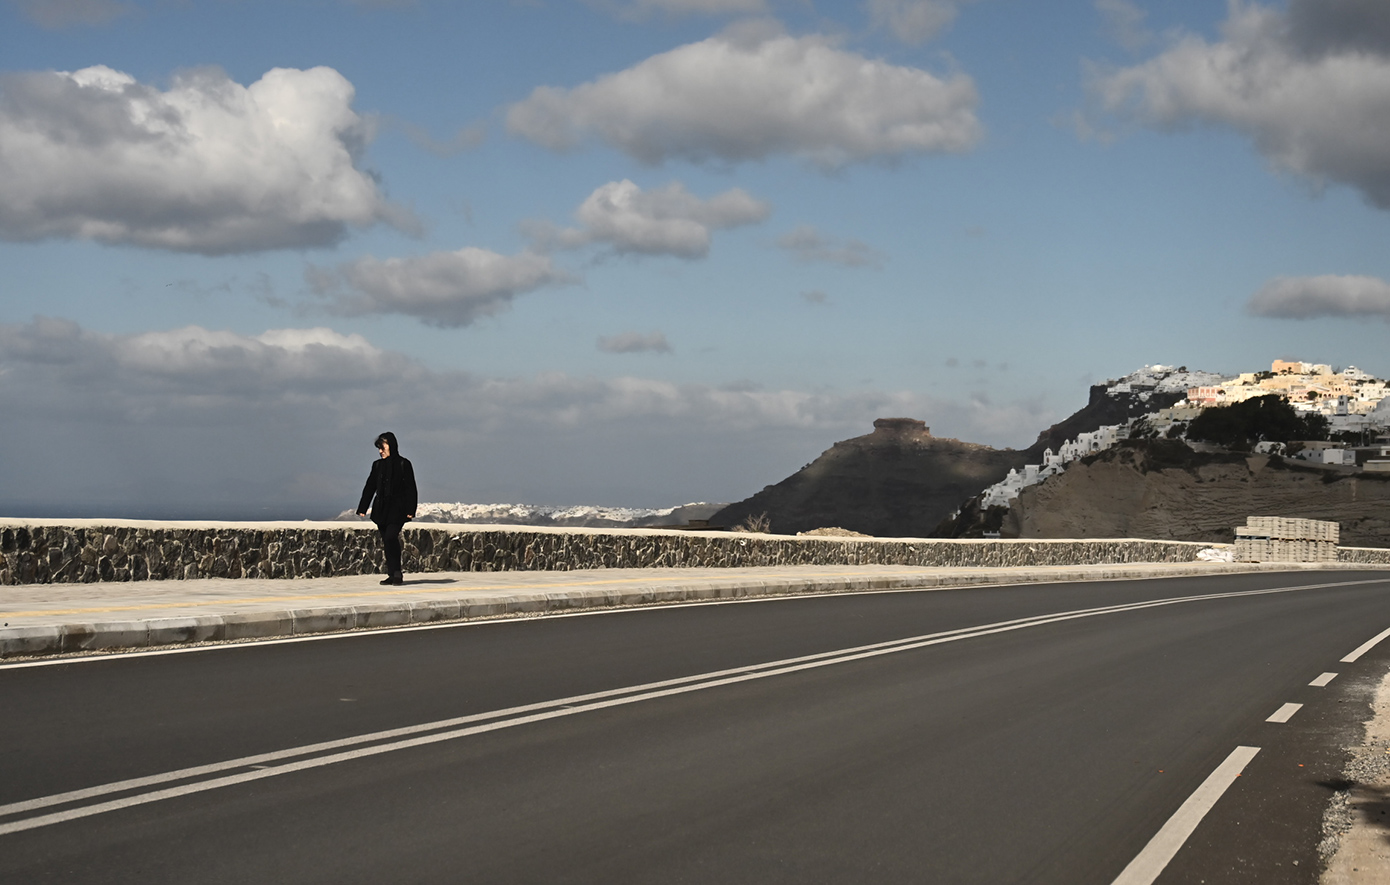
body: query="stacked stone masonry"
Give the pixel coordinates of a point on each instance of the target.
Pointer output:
(55, 553)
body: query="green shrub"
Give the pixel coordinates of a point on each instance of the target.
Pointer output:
(1265, 418)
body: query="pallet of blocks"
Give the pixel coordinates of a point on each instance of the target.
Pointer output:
(1286, 539)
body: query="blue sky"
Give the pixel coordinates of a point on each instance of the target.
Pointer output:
(642, 252)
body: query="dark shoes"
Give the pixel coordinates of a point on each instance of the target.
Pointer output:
(395, 580)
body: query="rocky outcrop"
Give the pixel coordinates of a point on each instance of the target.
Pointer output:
(1164, 489)
(55, 552)
(899, 481)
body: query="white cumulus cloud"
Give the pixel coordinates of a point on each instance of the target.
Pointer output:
(440, 288)
(1309, 86)
(664, 221)
(750, 93)
(207, 165)
(1328, 295)
(204, 375)
(1322, 26)
(204, 422)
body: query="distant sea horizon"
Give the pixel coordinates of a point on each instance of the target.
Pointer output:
(228, 513)
(515, 513)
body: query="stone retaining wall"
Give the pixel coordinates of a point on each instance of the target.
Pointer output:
(1364, 555)
(52, 552)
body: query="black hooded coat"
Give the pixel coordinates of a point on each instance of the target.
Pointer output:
(392, 485)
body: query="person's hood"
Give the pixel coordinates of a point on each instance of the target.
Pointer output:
(391, 439)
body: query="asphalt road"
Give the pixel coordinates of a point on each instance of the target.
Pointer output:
(1038, 733)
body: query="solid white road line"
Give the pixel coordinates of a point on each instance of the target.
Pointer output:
(560, 708)
(1322, 680)
(1285, 713)
(1366, 646)
(518, 715)
(1150, 862)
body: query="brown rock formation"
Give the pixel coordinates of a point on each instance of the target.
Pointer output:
(899, 481)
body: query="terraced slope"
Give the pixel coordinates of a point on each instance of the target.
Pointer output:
(1163, 489)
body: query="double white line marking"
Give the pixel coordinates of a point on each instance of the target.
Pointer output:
(185, 781)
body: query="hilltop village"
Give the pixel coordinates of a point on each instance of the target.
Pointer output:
(1354, 404)
(1163, 452)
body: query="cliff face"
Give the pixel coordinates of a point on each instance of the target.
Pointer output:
(899, 481)
(1102, 409)
(1163, 489)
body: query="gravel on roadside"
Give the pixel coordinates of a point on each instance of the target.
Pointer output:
(1355, 848)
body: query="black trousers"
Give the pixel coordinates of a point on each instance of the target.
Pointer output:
(391, 540)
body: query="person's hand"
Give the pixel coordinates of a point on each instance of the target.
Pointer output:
(360, 513)
(408, 518)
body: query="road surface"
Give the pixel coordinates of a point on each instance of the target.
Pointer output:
(1051, 733)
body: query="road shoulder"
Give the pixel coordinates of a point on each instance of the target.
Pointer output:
(1358, 823)
(53, 619)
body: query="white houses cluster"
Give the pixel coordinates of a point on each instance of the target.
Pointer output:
(1347, 397)
(1163, 379)
(1351, 399)
(1004, 491)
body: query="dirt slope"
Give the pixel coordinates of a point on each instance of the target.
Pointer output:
(1163, 489)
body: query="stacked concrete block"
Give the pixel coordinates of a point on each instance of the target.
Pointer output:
(1286, 539)
(1290, 529)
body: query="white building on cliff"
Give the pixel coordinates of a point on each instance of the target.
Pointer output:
(1004, 491)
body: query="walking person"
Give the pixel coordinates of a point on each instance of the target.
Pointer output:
(392, 484)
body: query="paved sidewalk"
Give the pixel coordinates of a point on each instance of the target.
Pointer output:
(48, 619)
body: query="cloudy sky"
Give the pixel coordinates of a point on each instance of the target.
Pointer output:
(644, 252)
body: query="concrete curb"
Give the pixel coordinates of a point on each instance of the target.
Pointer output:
(89, 636)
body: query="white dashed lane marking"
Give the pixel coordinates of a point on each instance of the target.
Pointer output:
(1285, 713)
(1150, 862)
(294, 759)
(1365, 647)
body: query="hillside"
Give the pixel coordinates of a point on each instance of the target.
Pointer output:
(1106, 406)
(1164, 489)
(899, 481)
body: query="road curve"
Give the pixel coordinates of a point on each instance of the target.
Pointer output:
(1041, 733)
